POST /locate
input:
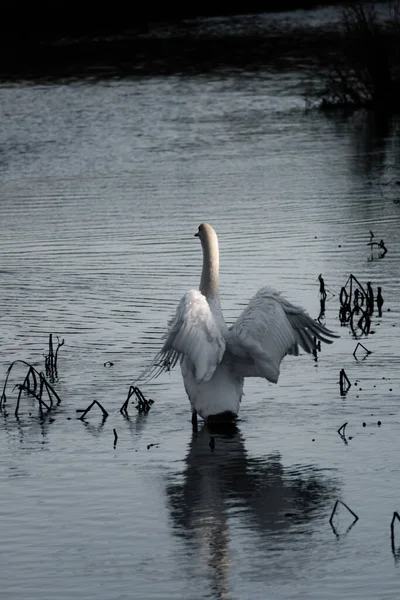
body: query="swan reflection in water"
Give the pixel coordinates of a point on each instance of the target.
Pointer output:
(224, 489)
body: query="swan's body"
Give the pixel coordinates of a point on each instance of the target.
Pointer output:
(216, 358)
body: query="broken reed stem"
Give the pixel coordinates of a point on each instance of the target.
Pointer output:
(38, 397)
(18, 400)
(51, 358)
(115, 437)
(42, 402)
(345, 505)
(105, 413)
(26, 386)
(342, 381)
(359, 345)
(143, 404)
(32, 374)
(341, 430)
(51, 353)
(124, 407)
(346, 297)
(50, 390)
(395, 516)
(353, 278)
(59, 344)
(363, 323)
(140, 395)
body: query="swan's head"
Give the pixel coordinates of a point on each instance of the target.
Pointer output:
(207, 235)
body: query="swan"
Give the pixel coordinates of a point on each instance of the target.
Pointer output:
(215, 358)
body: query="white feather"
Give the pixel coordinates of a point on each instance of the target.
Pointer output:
(269, 328)
(195, 334)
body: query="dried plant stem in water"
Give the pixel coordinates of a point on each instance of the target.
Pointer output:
(345, 505)
(143, 404)
(31, 386)
(395, 517)
(85, 411)
(50, 359)
(344, 383)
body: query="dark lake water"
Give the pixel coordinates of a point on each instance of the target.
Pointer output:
(102, 188)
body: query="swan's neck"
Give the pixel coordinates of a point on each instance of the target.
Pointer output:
(209, 281)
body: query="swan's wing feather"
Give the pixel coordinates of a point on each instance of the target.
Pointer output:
(194, 334)
(269, 328)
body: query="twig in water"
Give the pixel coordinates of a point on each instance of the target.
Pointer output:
(345, 306)
(124, 408)
(363, 323)
(143, 405)
(316, 348)
(344, 383)
(381, 245)
(359, 345)
(322, 290)
(115, 437)
(353, 280)
(379, 301)
(395, 516)
(355, 295)
(151, 446)
(333, 514)
(321, 310)
(370, 299)
(341, 432)
(86, 410)
(345, 505)
(323, 296)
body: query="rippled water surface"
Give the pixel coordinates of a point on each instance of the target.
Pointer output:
(103, 187)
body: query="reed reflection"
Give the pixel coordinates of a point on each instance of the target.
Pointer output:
(224, 488)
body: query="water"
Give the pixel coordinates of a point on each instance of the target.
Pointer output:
(103, 187)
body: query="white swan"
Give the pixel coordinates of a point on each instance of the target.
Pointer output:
(216, 358)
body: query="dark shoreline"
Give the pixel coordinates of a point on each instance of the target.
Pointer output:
(256, 42)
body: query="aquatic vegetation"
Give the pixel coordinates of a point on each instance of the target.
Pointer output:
(334, 512)
(396, 551)
(357, 306)
(367, 352)
(363, 71)
(89, 408)
(34, 384)
(344, 383)
(143, 405)
(50, 360)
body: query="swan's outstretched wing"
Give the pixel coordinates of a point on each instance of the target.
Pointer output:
(192, 333)
(269, 328)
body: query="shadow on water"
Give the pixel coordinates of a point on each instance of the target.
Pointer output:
(222, 486)
(371, 137)
(372, 143)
